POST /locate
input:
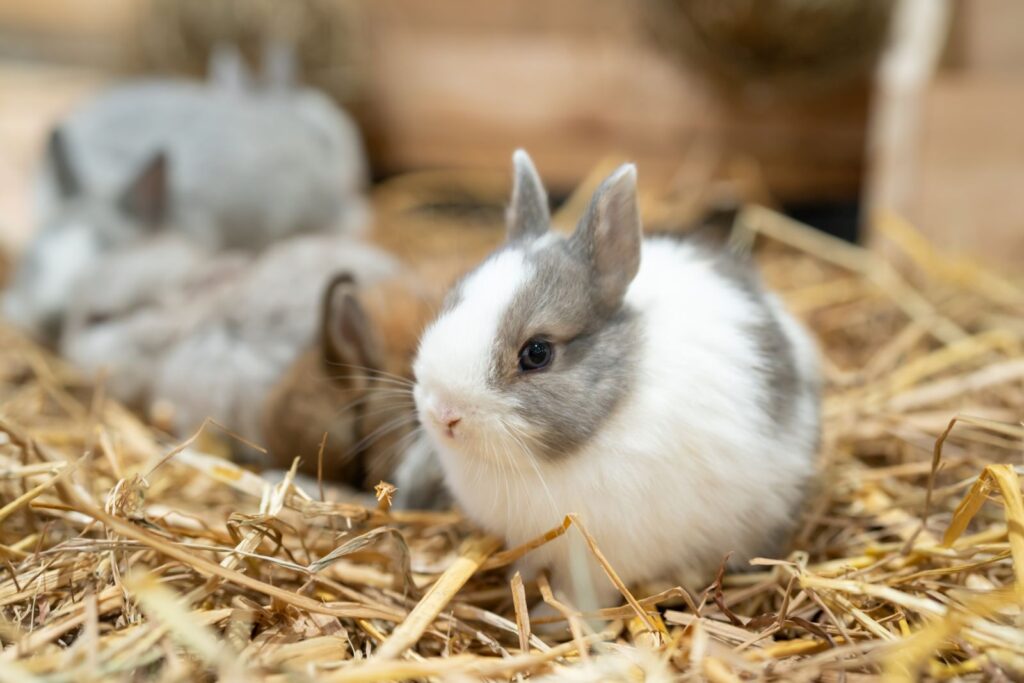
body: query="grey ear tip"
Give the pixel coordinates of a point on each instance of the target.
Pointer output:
(339, 290)
(159, 161)
(57, 142)
(521, 160)
(626, 173)
(341, 283)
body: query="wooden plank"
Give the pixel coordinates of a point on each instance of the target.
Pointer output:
(466, 93)
(455, 83)
(971, 168)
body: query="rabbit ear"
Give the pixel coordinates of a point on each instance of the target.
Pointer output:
(60, 160)
(280, 71)
(528, 216)
(227, 69)
(145, 198)
(348, 342)
(609, 236)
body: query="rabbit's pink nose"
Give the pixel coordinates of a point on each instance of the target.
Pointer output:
(448, 418)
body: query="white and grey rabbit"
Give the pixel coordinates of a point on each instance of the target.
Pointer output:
(650, 385)
(231, 167)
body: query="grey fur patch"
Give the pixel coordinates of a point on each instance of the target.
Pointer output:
(609, 235)
(782, 380)
(596, 352)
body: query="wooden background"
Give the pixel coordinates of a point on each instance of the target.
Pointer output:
(457, 83)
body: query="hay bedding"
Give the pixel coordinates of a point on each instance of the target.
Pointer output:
(129, 557)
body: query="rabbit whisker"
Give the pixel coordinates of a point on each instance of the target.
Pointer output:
(375, 372)
(382, 431)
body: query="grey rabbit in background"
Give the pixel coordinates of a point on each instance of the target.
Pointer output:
(228, 165)
(208, 334)
(228, 363)
(132, 305)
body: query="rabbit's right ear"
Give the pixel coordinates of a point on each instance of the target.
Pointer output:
(227, 69)
(60, 160)
(528, 215)
(610, 236)
(280, 68)
(348, 341)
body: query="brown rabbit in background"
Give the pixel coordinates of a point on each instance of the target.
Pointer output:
(354, 382)
(351, 385)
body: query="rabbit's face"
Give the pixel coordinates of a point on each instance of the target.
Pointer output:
(361, 421)
(525, 361)
(535, 349)
(79, 227)
(354, 384)
(46, 276)
(127, 308)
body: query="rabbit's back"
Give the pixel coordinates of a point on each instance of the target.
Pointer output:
(257, 165)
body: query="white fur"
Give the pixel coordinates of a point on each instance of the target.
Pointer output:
(55, 266)
(687, 469)
(245, 168)
(472, 325)
(129, 307)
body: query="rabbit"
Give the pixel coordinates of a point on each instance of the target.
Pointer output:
(229, 361)
(230, 167)
(80, 232)
(354, 381)
(353, 384)
(650, 385)
(205, 332)
(131, 306)
(333, 385)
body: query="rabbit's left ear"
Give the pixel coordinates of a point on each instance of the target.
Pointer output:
(146, 197)
(528, 216)
(60, 161)
(348, 342)
(609, 236)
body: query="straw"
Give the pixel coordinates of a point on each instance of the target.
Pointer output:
(126, 555)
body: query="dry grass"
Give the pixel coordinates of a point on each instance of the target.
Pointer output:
(126, 557)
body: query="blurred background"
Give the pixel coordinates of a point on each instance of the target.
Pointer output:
(782, 98)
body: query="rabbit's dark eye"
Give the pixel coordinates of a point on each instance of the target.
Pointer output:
(536, 354)
(97, 318)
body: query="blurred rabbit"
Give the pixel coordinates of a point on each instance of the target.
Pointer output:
(353, 383)
(230, 167)
(207, 334)
(257, 327)
(132, 305)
